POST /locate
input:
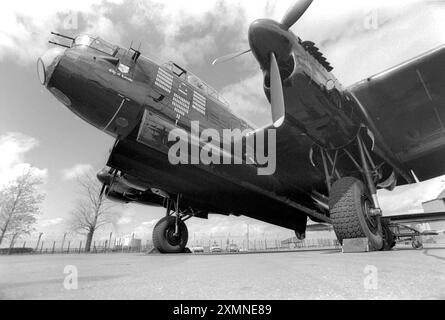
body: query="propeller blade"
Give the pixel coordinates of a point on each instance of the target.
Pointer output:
(295, 12)
(276, 93)
(102, 190)
(229, 57)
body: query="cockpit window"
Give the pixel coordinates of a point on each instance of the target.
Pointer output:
(95, 43)
(103, 46)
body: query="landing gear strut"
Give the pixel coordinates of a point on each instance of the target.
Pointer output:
(405, 233)
(170, 235)
(353, 204)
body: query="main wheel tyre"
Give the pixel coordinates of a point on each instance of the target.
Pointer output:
(165, 239)
(350, 204)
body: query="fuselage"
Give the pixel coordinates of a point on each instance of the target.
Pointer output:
(139, 102)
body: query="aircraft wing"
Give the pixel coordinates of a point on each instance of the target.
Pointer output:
(405, 107)
(418, 217)
(402, 219)
(319, 227)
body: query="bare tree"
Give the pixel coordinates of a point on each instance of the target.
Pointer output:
(19, 205)
(92, 211)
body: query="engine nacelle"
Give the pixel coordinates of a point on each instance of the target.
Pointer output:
(117, 197)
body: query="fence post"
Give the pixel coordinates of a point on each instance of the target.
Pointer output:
(80, 246)
(63, 242)
(11, 246)
(38, 241)
(54, 246)
(109, 240)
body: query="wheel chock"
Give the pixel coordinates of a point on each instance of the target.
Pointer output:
(356, 245)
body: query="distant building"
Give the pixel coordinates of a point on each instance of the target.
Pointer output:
(129, 241)
(309, 243)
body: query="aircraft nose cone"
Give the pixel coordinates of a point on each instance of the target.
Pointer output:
(260, 32)
(47, 63)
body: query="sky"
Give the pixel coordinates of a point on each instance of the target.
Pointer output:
(359, 38)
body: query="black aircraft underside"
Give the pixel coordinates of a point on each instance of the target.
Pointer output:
(217, 191)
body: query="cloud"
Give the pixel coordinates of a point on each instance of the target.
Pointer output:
(149, 224)
(50, 222)
(190, 32)
(25, 26)
(124, 221)
(145, 229)
(126, 217)
(13, 147)
(363, 38)
(76, 171)
(247, 100)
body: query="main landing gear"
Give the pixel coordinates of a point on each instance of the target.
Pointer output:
(170, 235)
(353, 204)
(352, 215)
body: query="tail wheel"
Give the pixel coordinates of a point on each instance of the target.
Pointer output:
(165, 238)
(350, 205)
(388, 236)
(417, 244)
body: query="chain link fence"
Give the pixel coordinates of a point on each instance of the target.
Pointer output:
(73, 246)
(132, 245)
(205, 245)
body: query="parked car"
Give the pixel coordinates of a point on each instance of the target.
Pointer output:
(233, 248)
(197, 250)
(215, 249)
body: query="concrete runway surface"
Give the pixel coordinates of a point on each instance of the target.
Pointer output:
(400, 274)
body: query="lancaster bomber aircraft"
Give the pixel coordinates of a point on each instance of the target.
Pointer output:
(335, 147)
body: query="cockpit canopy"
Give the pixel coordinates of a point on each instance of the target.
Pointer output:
(195, 81)
(95, 43)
